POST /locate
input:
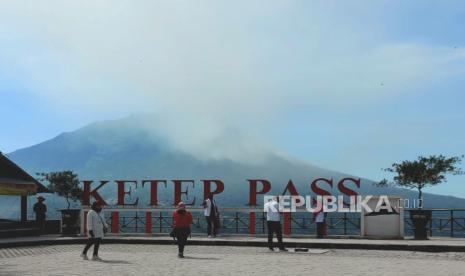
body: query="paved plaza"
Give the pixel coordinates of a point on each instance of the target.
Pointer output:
(144, 259)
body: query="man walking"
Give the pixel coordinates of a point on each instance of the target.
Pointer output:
(273, 223)
(211, 212)
(96, 228)
(40, 209)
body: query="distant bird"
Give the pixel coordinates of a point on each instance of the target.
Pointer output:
(382, 84)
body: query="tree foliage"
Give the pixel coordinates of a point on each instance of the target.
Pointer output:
(64, 183)
(423, 172)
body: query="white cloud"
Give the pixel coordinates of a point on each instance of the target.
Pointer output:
(208, 67)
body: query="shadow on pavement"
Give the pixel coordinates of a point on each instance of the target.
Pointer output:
(115, 261)
(201, 258)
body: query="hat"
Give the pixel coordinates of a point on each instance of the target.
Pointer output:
(181, 206)
(41, 198)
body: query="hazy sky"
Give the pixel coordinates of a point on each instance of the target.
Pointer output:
(346, 85)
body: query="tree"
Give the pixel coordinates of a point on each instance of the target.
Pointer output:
(65, 183)
(423, 172)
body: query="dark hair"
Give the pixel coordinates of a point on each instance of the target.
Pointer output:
(95, 204)
(181, 211)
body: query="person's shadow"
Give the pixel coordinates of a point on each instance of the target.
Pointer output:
(201, 258)
(115, 262)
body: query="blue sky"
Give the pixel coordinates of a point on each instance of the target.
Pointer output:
(347, 85)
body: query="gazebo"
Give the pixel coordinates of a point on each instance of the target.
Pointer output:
(14, 181)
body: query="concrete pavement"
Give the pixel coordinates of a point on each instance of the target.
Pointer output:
(432, 245)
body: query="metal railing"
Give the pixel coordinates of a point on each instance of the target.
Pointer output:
(444, 222)
(232, 221)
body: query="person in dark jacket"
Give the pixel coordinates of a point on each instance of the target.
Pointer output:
(40, 209)
(182, 220)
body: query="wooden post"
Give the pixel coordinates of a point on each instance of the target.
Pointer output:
(23, 208)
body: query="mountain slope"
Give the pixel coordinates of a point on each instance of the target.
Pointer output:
(121, 149)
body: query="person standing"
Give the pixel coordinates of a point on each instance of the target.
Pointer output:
(40, 209)
(182, 220)
(320, 220)
(211, 215)
(96, 228)
(273, 223)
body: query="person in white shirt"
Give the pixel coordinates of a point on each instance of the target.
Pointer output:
(273, 223)
(96, 228)
(320, 220)
(211, 215)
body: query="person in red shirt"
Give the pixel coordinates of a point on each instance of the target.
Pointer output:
(182, 220)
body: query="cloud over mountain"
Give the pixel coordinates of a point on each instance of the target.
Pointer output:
(209, 68)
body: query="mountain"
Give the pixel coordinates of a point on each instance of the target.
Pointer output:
(125, 150)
